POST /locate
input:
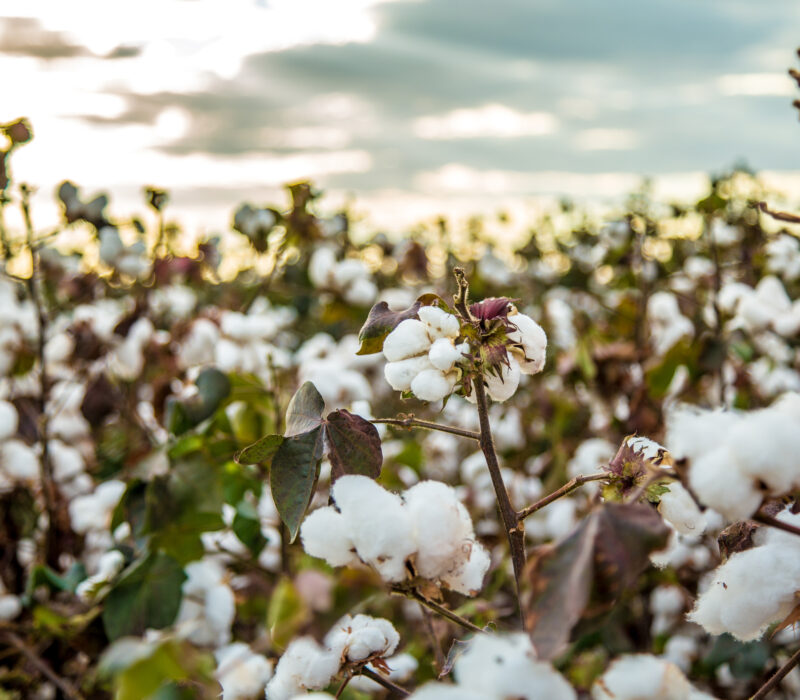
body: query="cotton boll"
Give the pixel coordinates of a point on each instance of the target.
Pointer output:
(361, 292)
(378, 524)
(10, 607)
(19, 461)
(9, 420)
(360, 637)
(720, 485)
(111, 245)
(443, 354)
(67, 461)
(401, 668)
(503, 387)
(506, 667)
(325, 534)
(433, 385)
(439, 323)
(681, 651)
(348, 271)
(303, 666)
(692, 433)
(678, 507)
(199, 346)
(400, 374)
(321, 266)
(442, 691)
(640, 677)
(241, 673)
(442, 527)
(410, 338)
(533, 339)
(468, 580)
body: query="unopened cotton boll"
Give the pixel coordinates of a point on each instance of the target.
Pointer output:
(410, 338)
(439, 323)
(679, 508)
(400, 374)
(531, 336)
(433, 385)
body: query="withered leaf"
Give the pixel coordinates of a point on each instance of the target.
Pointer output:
(381, 321)
(587, 572)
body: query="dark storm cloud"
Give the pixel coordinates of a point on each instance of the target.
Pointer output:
(629, 64)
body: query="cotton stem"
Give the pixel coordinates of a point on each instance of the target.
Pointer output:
(773, 682)
(411, 422)
(569, 487)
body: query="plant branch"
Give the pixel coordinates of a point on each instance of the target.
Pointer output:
(42, 666)
(511, 523)
(569, 487)
(773, 682)
(385, 682)
(765, 519)
(461, 298)
(46, 467)
(411, 422)
(778, 215)
(435, 645)
(440, 609)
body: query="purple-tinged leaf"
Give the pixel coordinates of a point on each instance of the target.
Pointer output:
(382, 320)
(354, 446)
(493, 307)
(293, 476)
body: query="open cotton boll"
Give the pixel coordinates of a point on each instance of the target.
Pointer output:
(439, 323)
(505, 666)
(442, 691)
(67, 461)
(400, 374)
(720, 484)
(433, 384)
(678, 508)
(18, 461)
(442, 527)
(410, 338)
(321, 266)
(305, 665)
(533, 339)
(325, 534)
(468, 579)
(443, 354)
(503, 387)
(378, 523)
(401, 668)
(361, 292)
(241, 673)
(348, 271)
(360, 637)
(642, 677)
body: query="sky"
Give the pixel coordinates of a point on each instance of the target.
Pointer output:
(407, 107)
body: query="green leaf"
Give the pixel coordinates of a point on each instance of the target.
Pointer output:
(148, 594)
(287, 613)
(259, 451)
(213, 388)
(381, 321)
(304, 412)
(293, 476)
(247, 527)
(354, 445)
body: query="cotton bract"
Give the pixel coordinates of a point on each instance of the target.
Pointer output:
(422, 354)
(427, 529)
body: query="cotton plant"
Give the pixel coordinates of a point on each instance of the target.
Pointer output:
(645, 677)
(424, 532)
(349, 277)
(351, 644)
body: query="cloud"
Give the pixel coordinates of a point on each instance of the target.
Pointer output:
(606, 140)
(756, 85)
(487, 121)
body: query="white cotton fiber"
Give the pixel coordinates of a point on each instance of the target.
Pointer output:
(241, 673)
(468, 579)
(410, 338)
(505, 666)
(533, 339)
(378, 523)
(361, 637)
(642, 677)
(325, 534)
(9, 420)
(444, 354)
(438, 322)
(501, 388)
(679, 509)
(400, 374)
(433, 385)
(18, 461)
(305, 665)
(443, 528)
